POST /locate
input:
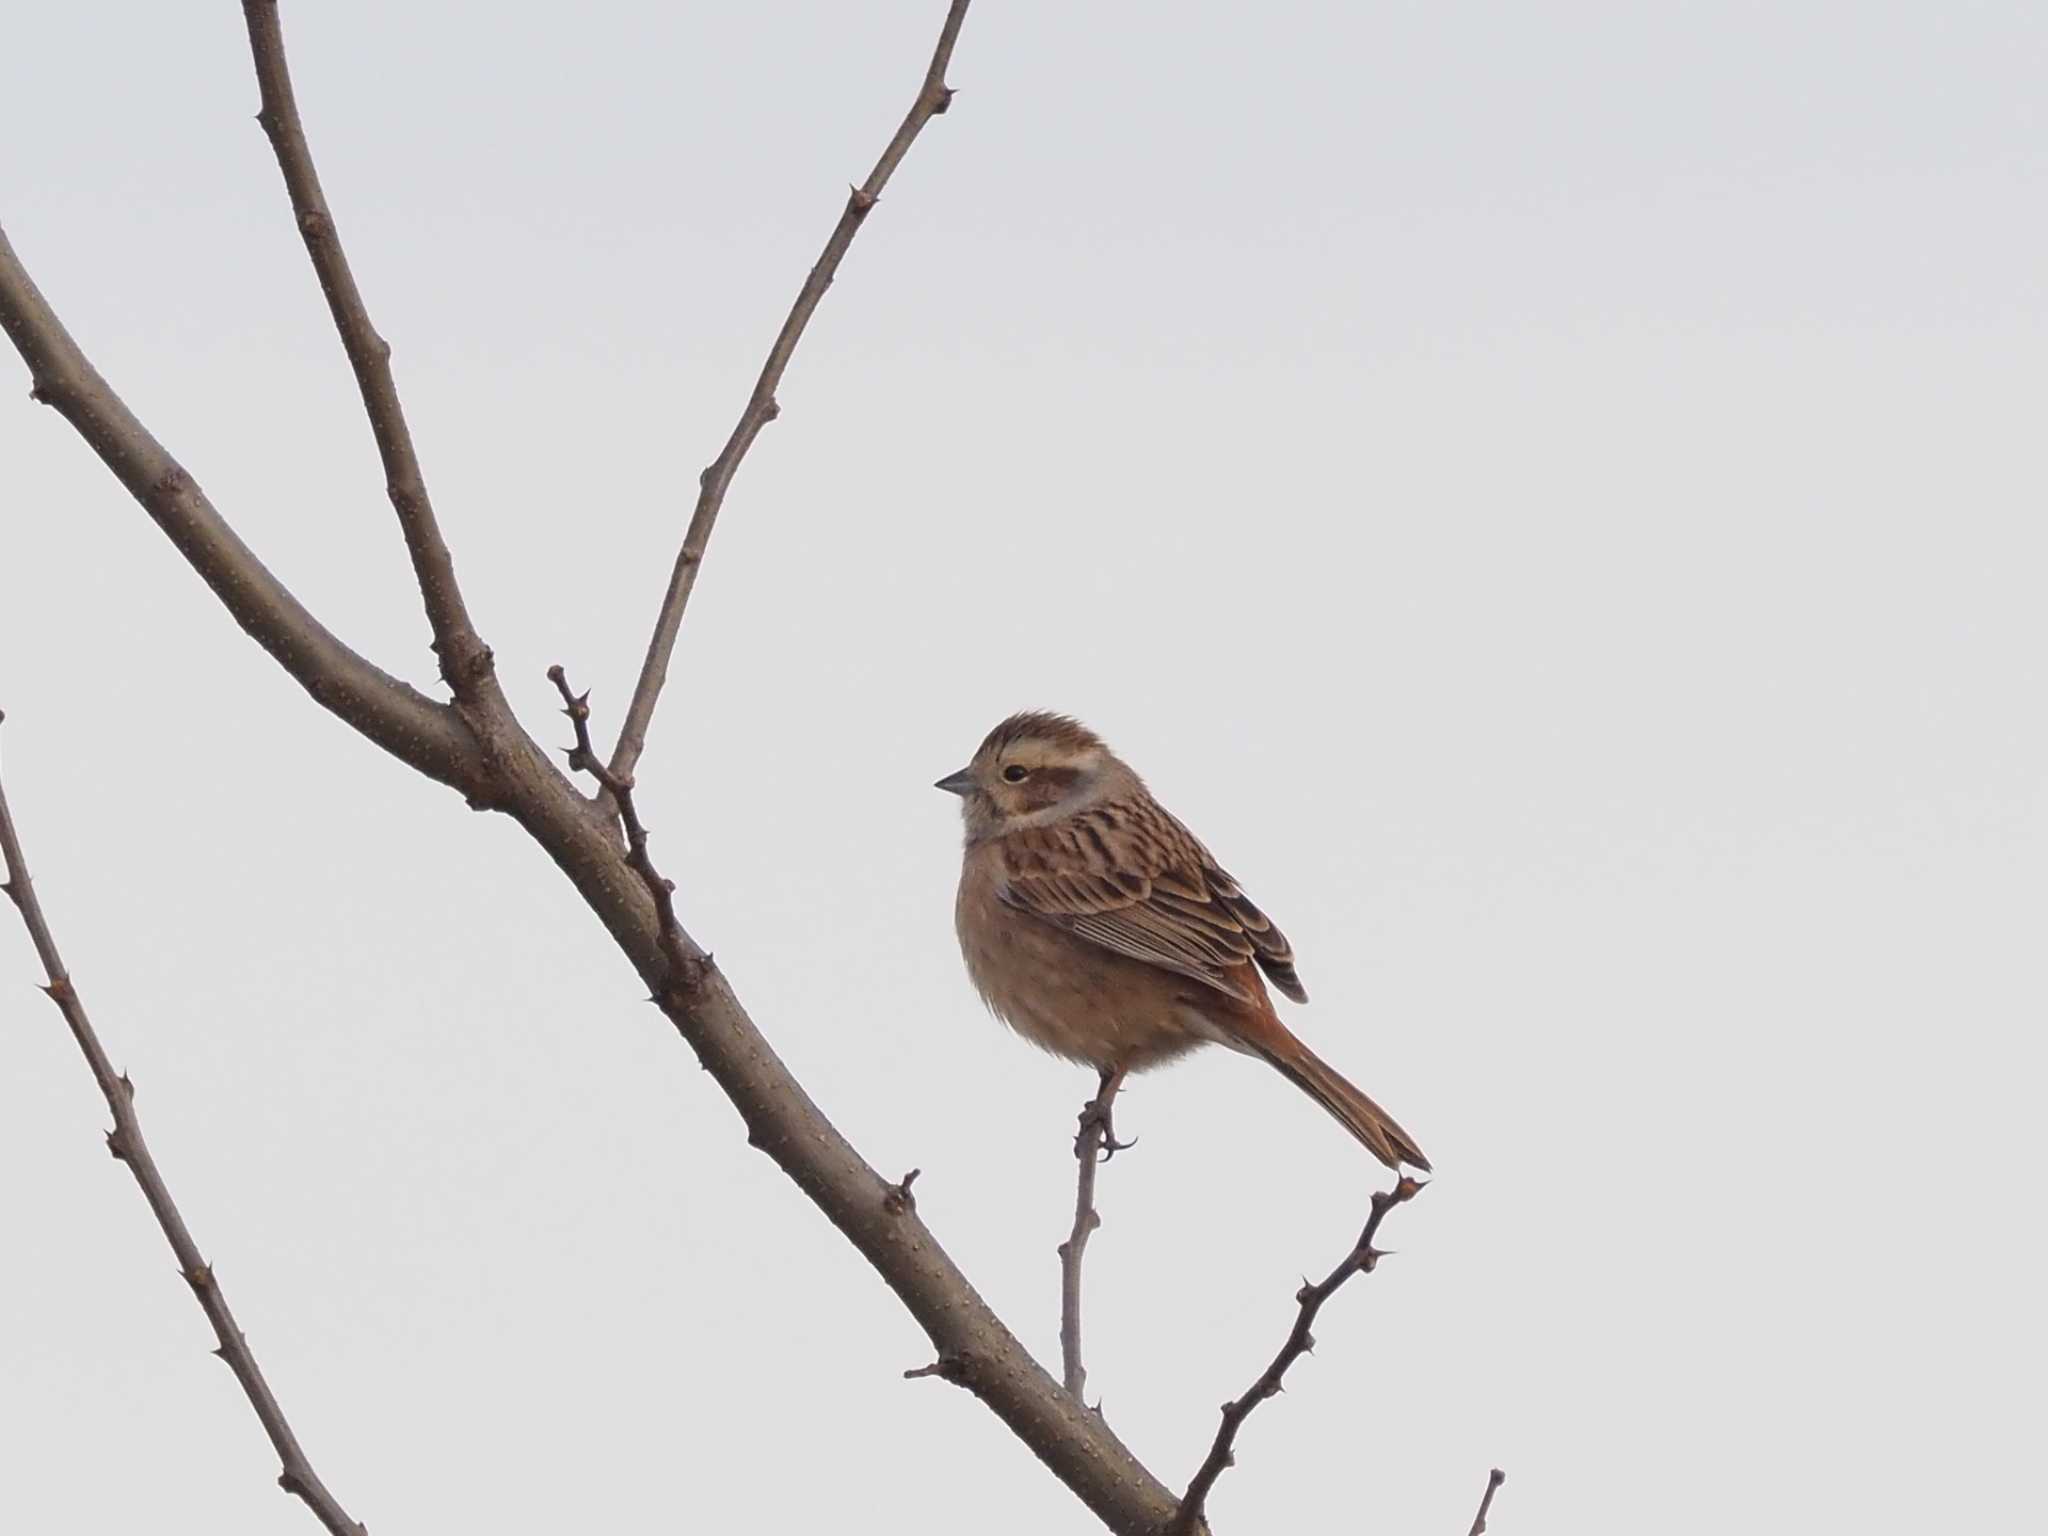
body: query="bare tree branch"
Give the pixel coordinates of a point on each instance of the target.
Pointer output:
(514, 775)
(483, 753)
(1362, 1259)
(465, 660)
(1094, 1143)
(1493, 1481)
(933, 97)
(404, 722)
(126, 1143)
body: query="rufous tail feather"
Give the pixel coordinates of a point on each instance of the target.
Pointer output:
(1373, 1126)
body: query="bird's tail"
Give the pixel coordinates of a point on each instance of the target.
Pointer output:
(1373, 1126)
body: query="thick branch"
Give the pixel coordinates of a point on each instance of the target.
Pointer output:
(126, 1143)
(1094, 1144)
(465, 660)
(401, 720)
(1493, 1481)
(1362, 1259)
(933, 97)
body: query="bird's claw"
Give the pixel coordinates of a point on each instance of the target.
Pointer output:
(1098, 1133)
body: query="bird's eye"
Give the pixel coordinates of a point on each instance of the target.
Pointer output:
(1016, 773)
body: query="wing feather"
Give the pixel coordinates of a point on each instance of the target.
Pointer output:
(1130, 878)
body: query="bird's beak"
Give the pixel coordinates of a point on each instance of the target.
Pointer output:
(961, 783)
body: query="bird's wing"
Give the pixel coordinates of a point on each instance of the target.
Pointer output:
(1134, 880)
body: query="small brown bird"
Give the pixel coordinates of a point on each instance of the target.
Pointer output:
(1097, 926)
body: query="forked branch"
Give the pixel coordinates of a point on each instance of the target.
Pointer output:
(465, 660)
(933, 97)
(1362, 1259)
(126, 1143)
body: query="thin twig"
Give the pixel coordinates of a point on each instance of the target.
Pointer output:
(465, 660)
(1094, 1143)
(1493, 1481)
(1362, 1259)
(583, 758)
(126, 1143)
(933, 97)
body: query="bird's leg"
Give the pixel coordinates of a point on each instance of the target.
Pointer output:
(1098, 1125)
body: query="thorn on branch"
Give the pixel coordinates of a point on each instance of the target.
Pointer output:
(695, 972)
(899, 1199)
(948, 1367)
(1493, 1481)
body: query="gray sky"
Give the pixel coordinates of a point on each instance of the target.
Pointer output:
(1552, 495)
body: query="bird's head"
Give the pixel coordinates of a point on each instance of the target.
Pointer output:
(1032, 769)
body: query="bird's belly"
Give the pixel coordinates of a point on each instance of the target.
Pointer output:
(1074, 998)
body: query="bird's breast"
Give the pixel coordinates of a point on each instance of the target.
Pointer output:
(1065, 994)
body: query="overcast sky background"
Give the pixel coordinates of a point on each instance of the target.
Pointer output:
(1553, 495)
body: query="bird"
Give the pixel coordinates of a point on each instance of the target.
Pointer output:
(1099, 927)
